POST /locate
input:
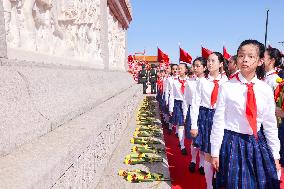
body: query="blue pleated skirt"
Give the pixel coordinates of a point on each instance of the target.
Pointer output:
(159, 97)
(188, 124)
(205, 122)
(177, 117)
(164, 105)
(246, 163)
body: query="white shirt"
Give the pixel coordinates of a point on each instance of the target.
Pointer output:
(175, 93)
(270, 79)
(168, 88)
(190, 88)
(202, 97)
(165, 82)
(230, 113)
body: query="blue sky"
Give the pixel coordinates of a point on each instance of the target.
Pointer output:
(210, 22)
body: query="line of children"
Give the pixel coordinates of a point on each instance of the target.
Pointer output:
(232, 123)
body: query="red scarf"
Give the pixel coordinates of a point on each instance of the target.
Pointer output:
(182, 82)
(251, 107)
(233, 75)
(160, 84)
(214, 93)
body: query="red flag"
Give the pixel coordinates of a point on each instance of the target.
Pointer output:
(205, 52)
(184, 56)
(226, 54)
(162, 57)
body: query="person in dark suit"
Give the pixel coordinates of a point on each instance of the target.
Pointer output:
(153, 79)
(143, 78)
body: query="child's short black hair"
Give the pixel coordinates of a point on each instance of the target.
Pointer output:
(276, 54)
(261, 48)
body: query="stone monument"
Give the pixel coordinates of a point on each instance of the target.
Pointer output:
(69, 32)
(65, 95)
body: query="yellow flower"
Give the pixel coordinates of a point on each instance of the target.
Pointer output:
(279, 80)
(134, 148)
(141, 155)
(127, 161)
(131, 177)
(122, 172)
(136, 133)
(127, 157)
(132, 140)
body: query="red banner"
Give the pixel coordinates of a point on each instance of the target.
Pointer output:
(205, 52)
(184, 56)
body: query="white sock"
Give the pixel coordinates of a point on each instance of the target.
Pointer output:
(181, 136)
(208, 169)
(279, 174)
(166, 118)
(201, 157)
(176, 128)
(193, 153)
(170, 126)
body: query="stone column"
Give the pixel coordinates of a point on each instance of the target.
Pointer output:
(104, 34)
(3, 46)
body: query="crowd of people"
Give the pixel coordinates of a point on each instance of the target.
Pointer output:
(228, 109)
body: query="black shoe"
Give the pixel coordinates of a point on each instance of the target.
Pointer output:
(176, 135)
(201, 170)
(184, 152)
(191, 167)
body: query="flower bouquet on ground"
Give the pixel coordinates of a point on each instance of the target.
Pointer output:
(144, 122)
(145, 119)
(279, 96)
(147, 113)
(148, 128)
(141, 176)
(146, 134)
(142, 159)
(144, 140)
(147, 149)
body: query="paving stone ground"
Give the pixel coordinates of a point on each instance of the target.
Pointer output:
(110, 178)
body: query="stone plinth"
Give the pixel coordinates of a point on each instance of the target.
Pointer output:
(59, 125)
(36, 99)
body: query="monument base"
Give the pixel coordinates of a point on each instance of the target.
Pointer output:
(60, 125)
(20, 54)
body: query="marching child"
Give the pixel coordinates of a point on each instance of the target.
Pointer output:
(175, 104)
(168, 89)
(203, 108)
(244, 155)
(199, 69)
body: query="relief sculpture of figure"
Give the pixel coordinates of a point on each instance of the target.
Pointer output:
(23, 19)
